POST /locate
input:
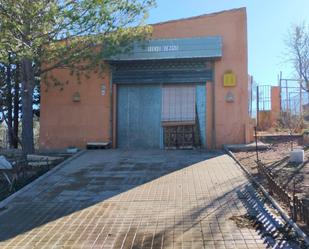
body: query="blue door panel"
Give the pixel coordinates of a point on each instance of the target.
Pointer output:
(139, 116)
(201, 111)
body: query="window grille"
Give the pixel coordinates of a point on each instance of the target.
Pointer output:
(178, 103)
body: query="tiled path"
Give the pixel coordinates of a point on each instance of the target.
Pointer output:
(144, 199)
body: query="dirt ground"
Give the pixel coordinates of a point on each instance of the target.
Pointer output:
(277, 160)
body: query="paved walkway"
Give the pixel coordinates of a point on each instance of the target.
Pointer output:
(142, 199)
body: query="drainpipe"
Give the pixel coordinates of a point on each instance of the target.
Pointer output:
(111, 109)
(114, 116)
(213, 133)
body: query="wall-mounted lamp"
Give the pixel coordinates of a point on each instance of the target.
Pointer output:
(103, 89)
(229, 97)
(76, 97)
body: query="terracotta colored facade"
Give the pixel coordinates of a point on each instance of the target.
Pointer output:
(67, 123)
(64, 122)
(275, 104)
(268, 119)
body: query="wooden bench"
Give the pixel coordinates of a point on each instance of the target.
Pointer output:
(98, 145)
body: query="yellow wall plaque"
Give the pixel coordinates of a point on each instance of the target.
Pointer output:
(229, 79)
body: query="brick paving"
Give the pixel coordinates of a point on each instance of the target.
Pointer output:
(141, 199)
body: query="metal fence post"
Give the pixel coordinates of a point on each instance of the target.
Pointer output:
(257, 106)
(256, 146)
(294, 202)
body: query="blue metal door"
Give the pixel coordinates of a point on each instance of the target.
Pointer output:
(139, 116)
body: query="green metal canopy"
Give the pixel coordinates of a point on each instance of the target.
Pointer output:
(182, 48)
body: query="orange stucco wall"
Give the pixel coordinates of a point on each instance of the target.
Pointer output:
(231, 119)
(275, 105)
(65, 123)
(270, 118)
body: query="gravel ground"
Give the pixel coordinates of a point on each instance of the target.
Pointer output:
(277, 160)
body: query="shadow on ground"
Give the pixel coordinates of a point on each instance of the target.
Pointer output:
(212, 219)
(92, 178)
(143, 199)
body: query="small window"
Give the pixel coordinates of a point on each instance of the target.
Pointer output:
(178, 103)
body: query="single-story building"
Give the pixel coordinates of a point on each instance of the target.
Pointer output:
(188, 86)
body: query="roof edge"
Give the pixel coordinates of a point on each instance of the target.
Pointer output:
(199, 16)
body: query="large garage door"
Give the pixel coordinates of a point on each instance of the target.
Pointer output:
(139, 116)
(153, 94)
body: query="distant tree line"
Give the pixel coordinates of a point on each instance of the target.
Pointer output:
(10, 99)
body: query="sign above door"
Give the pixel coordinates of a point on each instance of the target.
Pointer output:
(181, 48)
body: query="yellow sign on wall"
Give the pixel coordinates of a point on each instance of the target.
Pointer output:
(229, 79)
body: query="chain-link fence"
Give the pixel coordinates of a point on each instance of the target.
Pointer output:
(294, 99)
(264, 97)
(281, 106)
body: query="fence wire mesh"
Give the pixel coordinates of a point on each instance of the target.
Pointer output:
(264, 95)
(292, 103)
(294, 99)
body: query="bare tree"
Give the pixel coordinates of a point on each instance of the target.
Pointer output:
(298, 52)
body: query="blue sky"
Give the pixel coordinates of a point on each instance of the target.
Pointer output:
(268, 23)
